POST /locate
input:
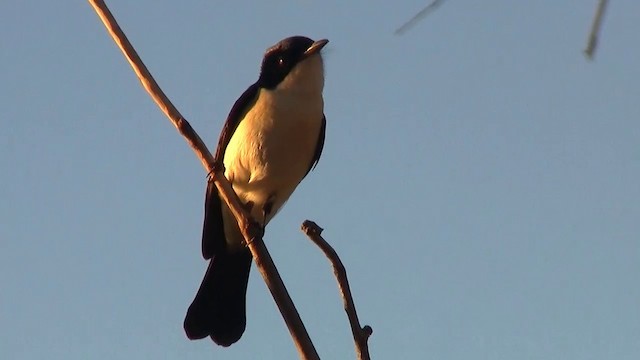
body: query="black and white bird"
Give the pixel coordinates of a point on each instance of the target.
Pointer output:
(275, 137)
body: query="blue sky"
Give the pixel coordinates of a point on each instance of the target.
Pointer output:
(480, 180)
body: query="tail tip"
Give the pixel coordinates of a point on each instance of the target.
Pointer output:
(225, 334)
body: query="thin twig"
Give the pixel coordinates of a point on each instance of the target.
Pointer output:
(360, 334)
(419, 16)
(592, 43)
(250, 229)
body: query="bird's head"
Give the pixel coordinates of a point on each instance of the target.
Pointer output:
(294, 63)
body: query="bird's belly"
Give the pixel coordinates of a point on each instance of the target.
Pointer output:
(277, 161)
(268, 156)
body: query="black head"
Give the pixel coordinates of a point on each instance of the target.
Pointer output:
(281, 58)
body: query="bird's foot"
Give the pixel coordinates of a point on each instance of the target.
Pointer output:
(255, 230)
(217, 166)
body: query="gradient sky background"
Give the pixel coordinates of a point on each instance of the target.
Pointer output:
(480, 179)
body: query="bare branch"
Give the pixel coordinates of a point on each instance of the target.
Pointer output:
(360, 334)
(592, 43)
(419, 16)
(249, 228)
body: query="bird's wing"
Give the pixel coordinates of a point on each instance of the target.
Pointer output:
(319, 145)
(213, 238)
(239, 109)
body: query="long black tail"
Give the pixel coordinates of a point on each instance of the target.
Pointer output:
(219, 308)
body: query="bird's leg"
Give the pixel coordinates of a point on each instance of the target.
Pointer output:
(266, 210)
(248, 206)
(254, 226)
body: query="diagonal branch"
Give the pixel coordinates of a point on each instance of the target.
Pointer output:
(360, 334)
(250, 229)
(592, 43)
(419, 16)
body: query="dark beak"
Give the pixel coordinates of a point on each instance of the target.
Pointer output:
(315, 47)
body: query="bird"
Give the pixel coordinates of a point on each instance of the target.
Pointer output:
(272, 138)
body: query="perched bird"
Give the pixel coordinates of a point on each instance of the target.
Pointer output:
(274, 137)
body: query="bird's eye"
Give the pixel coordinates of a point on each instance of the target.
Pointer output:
(281, 61)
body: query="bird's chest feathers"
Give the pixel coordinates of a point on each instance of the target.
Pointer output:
(274, 144)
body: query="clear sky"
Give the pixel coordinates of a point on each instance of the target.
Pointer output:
(480, 179)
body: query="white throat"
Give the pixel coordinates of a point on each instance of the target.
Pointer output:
(306, 77)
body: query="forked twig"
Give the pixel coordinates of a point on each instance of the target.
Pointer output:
(250, 230)
(360, 334)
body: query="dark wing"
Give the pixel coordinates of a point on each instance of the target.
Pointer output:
(213, 240)
(319, 145)
(239, 109)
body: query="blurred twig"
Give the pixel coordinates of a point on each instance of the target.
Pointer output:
(360, 334)
(592, 43)
(419, 16)
(250, 229)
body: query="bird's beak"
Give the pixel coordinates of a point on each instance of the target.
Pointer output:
(315, 47)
